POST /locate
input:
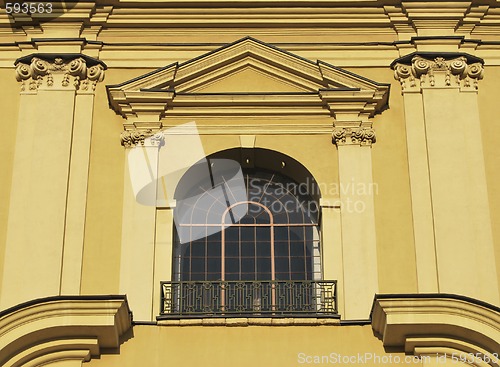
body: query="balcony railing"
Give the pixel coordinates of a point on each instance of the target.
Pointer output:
(251, 298)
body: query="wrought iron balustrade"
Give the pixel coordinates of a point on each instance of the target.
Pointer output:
(253, 298)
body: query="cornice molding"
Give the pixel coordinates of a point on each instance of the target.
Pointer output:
(249, 321)
(353, 136)
(155, 21)
(62, 328)
(447, 70)
(65, 71)
(430, 324)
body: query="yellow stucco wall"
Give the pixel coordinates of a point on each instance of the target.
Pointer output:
(9, 105)
(488, 102)
(195, 346)
(67, 238)
(394, 228)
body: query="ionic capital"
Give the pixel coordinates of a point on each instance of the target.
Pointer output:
(353, 136)
(65, 71)
(431, 70)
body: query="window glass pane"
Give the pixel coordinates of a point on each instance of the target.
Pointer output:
(213, 249)
(213, 276)
(247, 233)
(297, 276)
(281, 218)
(264, 265)
(296, 249)
(232, 276)
(254, 210)
(198, 248)
(308, 234)
(232, 265)
(247, 220)
(198, 276)
(232, 234)
(186, 265)
(264, 276)
(297, 264)
(296, 216)
(263, 248)
(282, 276)
(213, 264)
(185, 250)
(281, 264)
(309, 265)
(248, 249)
(281, 248)
(247, 265)
(263, 233)
(215, 237)
(198, 265)
(297, 233)
(232, 249)
(247, 276)
(280, 233)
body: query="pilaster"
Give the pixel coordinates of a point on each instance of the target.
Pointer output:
(452, 223)
(163, 255)
(353, 135)
(47, 209)
(332, 257)
(139, 223)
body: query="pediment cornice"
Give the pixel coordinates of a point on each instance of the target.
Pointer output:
(196, 87)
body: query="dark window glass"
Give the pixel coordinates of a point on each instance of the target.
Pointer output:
(274, 240)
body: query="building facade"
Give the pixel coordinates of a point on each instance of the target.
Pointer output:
(234, 182)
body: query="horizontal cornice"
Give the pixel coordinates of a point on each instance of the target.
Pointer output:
(151, 33)
(344, 54)
(395, 17)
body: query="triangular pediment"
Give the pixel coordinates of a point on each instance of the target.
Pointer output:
(245, 67)
(248, 79)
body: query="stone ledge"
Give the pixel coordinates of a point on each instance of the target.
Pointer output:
(252, 321)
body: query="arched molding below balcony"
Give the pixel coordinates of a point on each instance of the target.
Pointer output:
(439, 325)
(71, 328)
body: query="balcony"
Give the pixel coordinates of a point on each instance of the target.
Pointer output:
(249, 299)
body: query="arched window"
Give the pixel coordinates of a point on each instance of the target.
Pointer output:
(251, 247)
(277, 238)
